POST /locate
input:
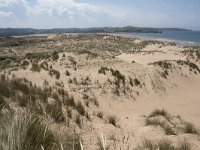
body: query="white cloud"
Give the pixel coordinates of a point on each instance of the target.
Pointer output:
(70, 7)
(62, 13)
(60, 7)
(7, 3)
(5, 14)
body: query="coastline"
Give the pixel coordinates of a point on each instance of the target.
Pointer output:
(178, 42)
(125, 35)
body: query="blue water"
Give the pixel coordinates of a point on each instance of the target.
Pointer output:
(182, 37)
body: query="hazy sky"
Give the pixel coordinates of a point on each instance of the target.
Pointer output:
(98, 13)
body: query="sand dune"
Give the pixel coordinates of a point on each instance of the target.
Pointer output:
(118, 82)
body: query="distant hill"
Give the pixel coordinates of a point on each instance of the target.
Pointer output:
(6, 32)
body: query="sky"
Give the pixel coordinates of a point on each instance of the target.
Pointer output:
(99, 13)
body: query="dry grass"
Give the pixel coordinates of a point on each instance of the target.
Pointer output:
(25, 131)
(162, 145)
(159, 112)
(190, 128)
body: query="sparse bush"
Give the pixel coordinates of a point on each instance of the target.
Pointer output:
(78, 120)
(162, 145)
(100, 114)
(25, 63)
(56, 112)
(158, 112)
(20, 85)
(72, 60)
(37, 56)
(112, 120)
(80, 108)
(69, 113)
(103, 70)
(44, 65)
(184, 146)
(164, 74)
(96, 103)
(55, 73)
(2, 103)
(119, 77)
(189, 128)
(35, 67)
(154, 122)
(190, 64)
(67, 73)
(55, 56)
(163, 64)
(4, 89)
(23, 100)
(169, 130)
(136, 82)
(131, 82)
(69, 101)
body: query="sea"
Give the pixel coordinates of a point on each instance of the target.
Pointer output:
(179, 37)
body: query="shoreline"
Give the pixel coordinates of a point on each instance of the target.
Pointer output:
(124, 35)
(177, 42)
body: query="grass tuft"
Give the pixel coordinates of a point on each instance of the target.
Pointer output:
(189, 128)
(24, 131)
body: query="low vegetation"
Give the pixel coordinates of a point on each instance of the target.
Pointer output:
(112, 120)
(168, 124)
(35, 67)
(162, 145)
(158, 112)
(24, 130)
(103, 70)
(55, 73)
(190, 128)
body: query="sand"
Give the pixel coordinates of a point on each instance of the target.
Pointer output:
(177, 92)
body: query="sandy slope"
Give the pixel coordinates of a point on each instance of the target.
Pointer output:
(178, 93)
